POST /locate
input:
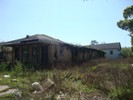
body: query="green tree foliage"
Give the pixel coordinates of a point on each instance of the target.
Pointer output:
(126, 52)
(127, 22)
(94, 42)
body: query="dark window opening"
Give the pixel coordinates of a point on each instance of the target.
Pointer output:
(34, 51)
(111, 52)
(16, 53)
(1, 55)
(44, 54)
(25, 55)
(35, 55)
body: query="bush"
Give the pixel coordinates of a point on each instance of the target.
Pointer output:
(4, 66)
(126, 52)
(18, 69)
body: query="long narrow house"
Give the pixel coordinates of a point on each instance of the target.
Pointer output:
(43, 50)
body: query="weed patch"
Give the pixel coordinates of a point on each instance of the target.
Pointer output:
(111, 78)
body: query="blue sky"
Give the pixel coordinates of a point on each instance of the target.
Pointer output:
(73, 21)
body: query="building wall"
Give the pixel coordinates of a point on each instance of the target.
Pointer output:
(64, 54)
(67, 54)
(112, 53)
(59, 53)
(52, 50)
(80, 53)
(6, 54)
(31, 54)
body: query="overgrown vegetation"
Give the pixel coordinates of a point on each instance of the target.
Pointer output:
(126, 52)
(113, 79)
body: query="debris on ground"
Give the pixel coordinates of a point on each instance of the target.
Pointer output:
(11, 91)
(17, 93)
(4, 87)
(35, 83)
(6, 76)
(37, 87)
(47, 83)
(14, 80)
(61, 96)
(43, 86)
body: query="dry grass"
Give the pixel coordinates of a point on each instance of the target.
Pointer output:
(114, 79)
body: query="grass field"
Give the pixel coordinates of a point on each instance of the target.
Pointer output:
(106, 79)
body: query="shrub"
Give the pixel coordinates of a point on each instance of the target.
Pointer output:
(4, 66)
(18, 70)
(126, 52)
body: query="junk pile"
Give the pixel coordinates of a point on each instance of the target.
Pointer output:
(42, 88)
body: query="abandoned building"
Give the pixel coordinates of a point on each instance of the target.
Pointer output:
(43, 50)
(112, 50)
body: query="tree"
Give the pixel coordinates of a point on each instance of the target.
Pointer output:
(94, 42)
(126, 52)
(127, 23)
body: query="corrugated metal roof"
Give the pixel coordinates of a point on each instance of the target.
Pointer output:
(107, 46)
(38, 38)
(41, 38)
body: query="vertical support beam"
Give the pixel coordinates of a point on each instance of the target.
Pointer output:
(22, 50)
(12, 55)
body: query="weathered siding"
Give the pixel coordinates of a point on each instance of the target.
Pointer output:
(67, 54)
(64, 54)
(43, 54)
(32, 54)
(115, 54)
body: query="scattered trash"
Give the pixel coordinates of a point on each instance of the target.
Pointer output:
(4, 87)
(4, 90)
(61, 96)
(95, 98)
(37, 86)
(14, 80)
(11, 91)
(41, 88)
(6, 76)
(35, 83)
(47, 83)
(35, 92)
(17, 93)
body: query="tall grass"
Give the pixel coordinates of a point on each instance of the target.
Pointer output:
(113, 78)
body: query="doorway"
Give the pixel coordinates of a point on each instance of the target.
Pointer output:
(45, 55)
